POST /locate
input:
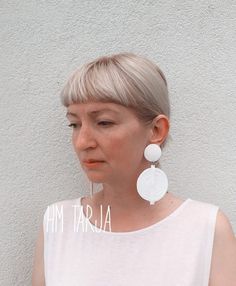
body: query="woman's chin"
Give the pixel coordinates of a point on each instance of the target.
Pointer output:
(95, 178)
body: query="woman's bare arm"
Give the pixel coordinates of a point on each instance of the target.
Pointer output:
(38, 278)
(223, 268)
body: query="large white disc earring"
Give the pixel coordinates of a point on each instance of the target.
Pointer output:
(152, 183)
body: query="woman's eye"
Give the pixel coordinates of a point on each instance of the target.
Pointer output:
(73, 125)
(105, 123)
(102, 123)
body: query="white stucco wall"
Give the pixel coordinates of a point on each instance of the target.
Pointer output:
(43, 41)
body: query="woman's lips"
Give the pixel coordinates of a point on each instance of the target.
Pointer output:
(92, 164)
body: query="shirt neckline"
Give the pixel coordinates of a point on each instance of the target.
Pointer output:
(157, 224)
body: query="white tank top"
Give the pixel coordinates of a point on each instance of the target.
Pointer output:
(175, 251)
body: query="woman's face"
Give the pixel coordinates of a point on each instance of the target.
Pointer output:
(110, 133)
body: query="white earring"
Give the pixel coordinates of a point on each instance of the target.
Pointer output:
(152, 183)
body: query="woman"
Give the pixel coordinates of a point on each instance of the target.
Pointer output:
(133, 231)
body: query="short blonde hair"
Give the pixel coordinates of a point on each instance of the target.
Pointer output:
(125, 78)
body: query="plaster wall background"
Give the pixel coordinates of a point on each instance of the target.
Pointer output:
(42, 42)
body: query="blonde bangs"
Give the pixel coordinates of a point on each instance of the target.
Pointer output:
(100, 81)
(125, 78)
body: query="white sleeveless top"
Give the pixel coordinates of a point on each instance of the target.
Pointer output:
(175, 251)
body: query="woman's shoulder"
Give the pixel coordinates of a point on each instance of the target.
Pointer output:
(204, 211)
(224, 252)
(223, 263)
(203, 205)
(223, 227)
(223, 224)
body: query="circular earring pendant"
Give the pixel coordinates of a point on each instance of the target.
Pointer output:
(152, 184)
(152, 152)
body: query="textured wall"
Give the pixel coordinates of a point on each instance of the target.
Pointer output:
(43, 41)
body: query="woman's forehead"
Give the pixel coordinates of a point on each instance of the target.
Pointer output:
(97, 107)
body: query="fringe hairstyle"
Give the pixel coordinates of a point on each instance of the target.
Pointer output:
(124, 78)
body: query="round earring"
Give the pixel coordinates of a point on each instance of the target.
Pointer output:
(152, 183)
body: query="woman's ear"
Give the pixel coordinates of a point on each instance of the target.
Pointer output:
(159, 129)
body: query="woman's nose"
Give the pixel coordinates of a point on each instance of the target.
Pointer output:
(85, 139)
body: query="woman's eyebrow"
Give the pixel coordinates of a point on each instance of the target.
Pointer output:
(94, 112)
